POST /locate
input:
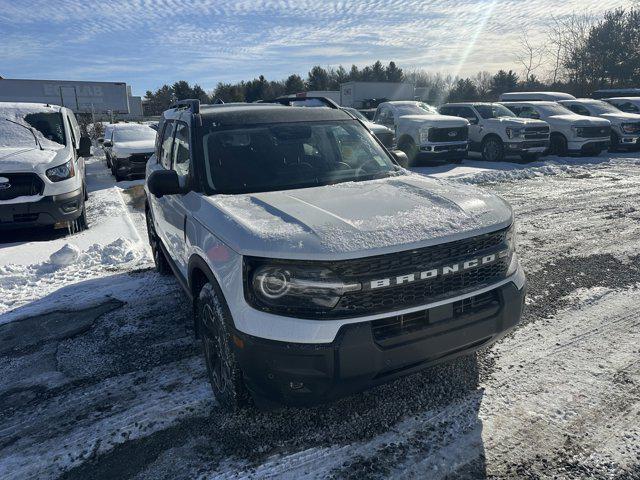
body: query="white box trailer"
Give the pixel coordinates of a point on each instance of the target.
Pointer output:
(79, 96)
(357, 94)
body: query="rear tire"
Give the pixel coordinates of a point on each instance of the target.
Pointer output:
(492, 150)
(223, 370)
(558, 145)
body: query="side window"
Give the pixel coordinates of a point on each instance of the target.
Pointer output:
(528, 112)
(468, 113)
(629, 107)
(579, 109)
(72, 131)
(165, 146)
(181, 158)
(448, 111)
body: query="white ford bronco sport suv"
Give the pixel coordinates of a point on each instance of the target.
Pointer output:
(570, 132)
(495, 131)
(422, 133)
(318, 266)
(625, 127)
(42, 175)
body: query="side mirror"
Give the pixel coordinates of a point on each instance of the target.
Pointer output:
(473, 120)
(100, 140)
(107, 143)
(164, 182)
(85, 147)
(401, 158)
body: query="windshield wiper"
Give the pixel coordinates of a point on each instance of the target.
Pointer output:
(35, 137)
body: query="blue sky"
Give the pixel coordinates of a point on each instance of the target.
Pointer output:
(147, 43)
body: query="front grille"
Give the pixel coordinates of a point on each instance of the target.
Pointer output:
(20, 185)
(418, 293)
(536, 133)
(140, 157)
(458, 134)
(402, 325)
(594, 132)
(386, 138)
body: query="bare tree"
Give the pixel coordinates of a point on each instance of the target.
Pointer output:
(530, 55)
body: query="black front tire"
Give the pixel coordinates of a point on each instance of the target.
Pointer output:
(558, 145)
(79, 224)
(492, 150)
(223, 370)
(409, 147)
(615, 142)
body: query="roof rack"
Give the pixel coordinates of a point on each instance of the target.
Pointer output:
(289, 99)
(192, 103)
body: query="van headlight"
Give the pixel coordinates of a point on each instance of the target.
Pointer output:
(424, 135)
(61, 172)
(284, 287)
(512, 243)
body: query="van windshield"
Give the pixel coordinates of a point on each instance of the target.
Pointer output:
(47, 126)
(292, 155)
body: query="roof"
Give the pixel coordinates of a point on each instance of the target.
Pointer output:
(30, 107)
(542, 103)
(541, 95)
(256, 113)
(465, 104)
(626, 99)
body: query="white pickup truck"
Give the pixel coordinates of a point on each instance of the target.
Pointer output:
(570, 133)
(625, 127)
(422, 133)
(496, 131)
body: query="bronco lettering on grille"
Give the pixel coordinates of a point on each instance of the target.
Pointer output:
(441, 271)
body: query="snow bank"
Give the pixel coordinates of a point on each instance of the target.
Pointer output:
(65, 256)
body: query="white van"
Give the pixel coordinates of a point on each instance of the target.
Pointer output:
(535, 96)
(42, 174)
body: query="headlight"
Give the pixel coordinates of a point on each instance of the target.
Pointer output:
(578, 131)
(630, 127)
(517, 132)
(424, 135)
(61, 172)
(284, 287)
(512, 242)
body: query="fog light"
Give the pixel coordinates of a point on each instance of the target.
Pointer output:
(69, 207)
(296, 385)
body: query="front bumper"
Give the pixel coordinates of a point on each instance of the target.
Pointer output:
(527, 146)
(49, 210)
(588, 145)
(629, 141)
(127, 168)
(443, 151)
(361, 356)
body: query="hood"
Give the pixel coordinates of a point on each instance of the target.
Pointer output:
(138, 146)
(25, 159)
(579, 120)
(621, 117)
(516, 122)
(440, 121)
(353, 219)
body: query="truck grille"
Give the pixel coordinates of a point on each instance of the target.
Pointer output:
(20, 184)
(386, 139)
(595, 132)
(536, 133)
(402, 325)
(140, 157)
(413, 294)
(459, 134)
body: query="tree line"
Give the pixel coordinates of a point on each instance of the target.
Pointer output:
(580, 54)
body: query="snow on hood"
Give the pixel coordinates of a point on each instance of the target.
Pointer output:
(621, 117)
(517, 121)
(21, 159)
(442, 121)
(355, 218)
(580, 120)
(137, 146)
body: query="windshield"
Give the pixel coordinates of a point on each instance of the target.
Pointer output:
(134, 134)
(357, 114)
(552, 109)
(418, 108)
(494, 111)
(600, 107)
(291, 155)
(47, 126)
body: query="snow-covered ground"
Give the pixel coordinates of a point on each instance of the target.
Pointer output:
(101, 379)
